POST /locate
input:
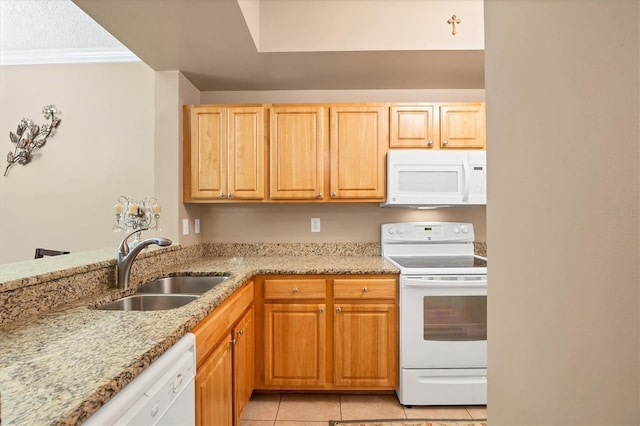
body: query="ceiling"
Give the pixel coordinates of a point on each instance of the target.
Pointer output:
(212, 44)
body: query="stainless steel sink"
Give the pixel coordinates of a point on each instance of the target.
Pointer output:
(149, 302)
(181, 285)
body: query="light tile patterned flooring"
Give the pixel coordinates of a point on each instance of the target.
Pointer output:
(318, 409)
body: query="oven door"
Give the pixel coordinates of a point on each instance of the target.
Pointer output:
(443, 321)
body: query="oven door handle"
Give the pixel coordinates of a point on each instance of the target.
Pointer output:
(431, 283)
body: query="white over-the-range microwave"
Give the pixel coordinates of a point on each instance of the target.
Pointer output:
(436, 178)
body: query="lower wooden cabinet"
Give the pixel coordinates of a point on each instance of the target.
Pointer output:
(213, 388)
(327, 332)
(294, 346)
(225, 354)
(244, 349)
(365, 345)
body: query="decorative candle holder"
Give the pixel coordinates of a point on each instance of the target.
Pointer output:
(132, 215)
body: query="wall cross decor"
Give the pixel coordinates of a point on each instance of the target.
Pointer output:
(454, 20)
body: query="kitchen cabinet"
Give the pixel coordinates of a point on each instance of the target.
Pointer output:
(225, 360)
(438, 125)
(298, 141)
(294, 331)
(326, 332)
(365, 333)
(358, 144)
(344, 154)
(224, 153)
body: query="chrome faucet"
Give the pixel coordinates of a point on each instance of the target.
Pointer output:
(126, 256)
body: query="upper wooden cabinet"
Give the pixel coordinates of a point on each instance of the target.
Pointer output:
(438, 126)
(344, 154)
(298, 140)
(358, 144)
(224, 153)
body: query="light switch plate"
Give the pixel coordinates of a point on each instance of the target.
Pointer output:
(185, 226)
(196, 226)
(315, 224)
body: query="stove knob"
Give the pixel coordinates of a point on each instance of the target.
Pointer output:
(464, 229)
(400, 231)
(390, 230)
(456, 230)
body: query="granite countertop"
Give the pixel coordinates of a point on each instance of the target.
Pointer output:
(62, 365)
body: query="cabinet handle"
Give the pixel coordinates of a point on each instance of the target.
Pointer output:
(321, 310)
(319, 195)
(445, 143)
(221, 194)
(430, 143)
(241, 332)
(230, 195)
(233, 341)
(364, 290)
(338, 310)
(295, 289)
(333, 194)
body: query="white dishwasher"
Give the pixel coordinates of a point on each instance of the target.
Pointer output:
(163, 394)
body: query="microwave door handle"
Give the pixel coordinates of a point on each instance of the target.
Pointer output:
(467, 180)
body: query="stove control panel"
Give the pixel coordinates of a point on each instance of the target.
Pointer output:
(427, 232)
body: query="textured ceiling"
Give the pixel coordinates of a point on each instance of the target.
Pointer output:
(49, 24)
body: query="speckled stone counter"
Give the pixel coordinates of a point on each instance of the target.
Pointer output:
(60, 365)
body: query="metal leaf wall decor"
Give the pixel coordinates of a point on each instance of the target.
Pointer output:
(29, 137)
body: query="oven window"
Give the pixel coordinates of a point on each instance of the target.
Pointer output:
(455, 318)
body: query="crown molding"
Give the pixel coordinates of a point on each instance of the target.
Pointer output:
(66, 56)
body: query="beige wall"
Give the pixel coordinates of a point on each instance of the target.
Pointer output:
(103, 148)
(562, 85)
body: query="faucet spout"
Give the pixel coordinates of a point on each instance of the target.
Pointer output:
(127, 254)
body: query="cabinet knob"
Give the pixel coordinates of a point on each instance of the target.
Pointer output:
(295, 289)
(333, 194)
(364, 289)
(230, 195)
(319, 195)
(241, 332)
(321, 310)
(430, 143)
(221, 194)
(338, 310)
(445, 143)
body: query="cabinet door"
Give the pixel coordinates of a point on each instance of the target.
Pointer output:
(213, 388)
(243, 363)
(366, 345)
(297, 146)
(413, 126)
(462, 126)
(205, 154)
(358, 142)
(294, 345)
(246, 153)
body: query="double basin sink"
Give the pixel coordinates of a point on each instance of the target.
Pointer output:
(165, 293)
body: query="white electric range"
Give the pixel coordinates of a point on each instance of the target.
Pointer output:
(443, 312)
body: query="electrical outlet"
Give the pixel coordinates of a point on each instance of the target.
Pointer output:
(185, 226)
(196, 226)
(315, 224)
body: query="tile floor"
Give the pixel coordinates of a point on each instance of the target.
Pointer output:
(318, 409)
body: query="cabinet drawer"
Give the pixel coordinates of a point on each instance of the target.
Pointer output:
(376, 288)
(295, 289)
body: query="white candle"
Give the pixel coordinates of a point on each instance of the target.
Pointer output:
(117, 208)
(156, 209)
(133, 208)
